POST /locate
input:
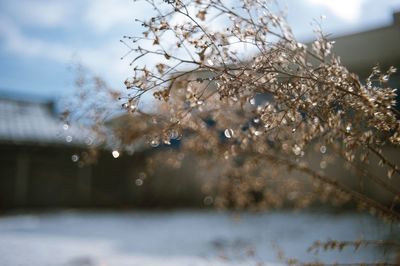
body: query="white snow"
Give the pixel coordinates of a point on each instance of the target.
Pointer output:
(180, 238)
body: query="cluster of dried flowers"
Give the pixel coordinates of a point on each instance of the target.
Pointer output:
(252, 104)
(252, 120)
(263, 115)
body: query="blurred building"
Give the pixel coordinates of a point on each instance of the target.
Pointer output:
(38, 166)
(361, 51)
(35, 156)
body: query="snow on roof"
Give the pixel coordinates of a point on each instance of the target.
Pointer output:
(24, 122)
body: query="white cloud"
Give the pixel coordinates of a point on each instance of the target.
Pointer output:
(16, 42)
(106, 15)
(103, 59)
(349, 10)
(41, 13)
(100, 15)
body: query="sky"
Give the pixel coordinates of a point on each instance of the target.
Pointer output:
(41, 39)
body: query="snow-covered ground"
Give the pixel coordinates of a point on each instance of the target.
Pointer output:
(180, 238)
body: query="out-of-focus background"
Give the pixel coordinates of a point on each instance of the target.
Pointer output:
(40, 42)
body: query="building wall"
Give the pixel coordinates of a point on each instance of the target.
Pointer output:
(46, 177)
